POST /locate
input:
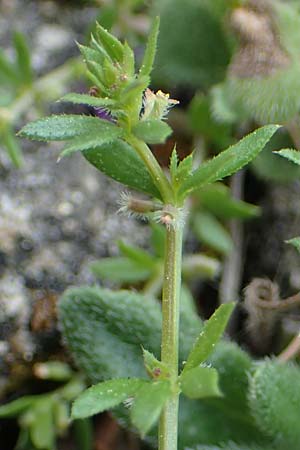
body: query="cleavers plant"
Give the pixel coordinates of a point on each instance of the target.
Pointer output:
(128, 117)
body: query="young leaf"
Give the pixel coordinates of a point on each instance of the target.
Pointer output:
(119, 269)
(110, 43)
(295, 242)
(152, 131)
(64, 127)
(216, 199)
(211, 232)
(88, 100)
(148, 404)
(209, 336)
(229, 161)
(23, 59)
(200, 382)
(149, 55)
(119, 161)
(105, 395)
(128, 60)
(290, 154)
(155, 368)
(173, 164)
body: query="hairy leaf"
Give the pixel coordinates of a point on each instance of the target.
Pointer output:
(88, 100)
(119, 161)
(105, 395)
(148, 404)
(230, 160)
(149, 55)
(274, 401)
(200, 382)
(152, 131)
(64, 127)
(290, 154)
(209, 336)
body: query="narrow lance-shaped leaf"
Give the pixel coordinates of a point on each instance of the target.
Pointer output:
(200, 382)
(86, 99)
(137, 254)
(148, 404)
(111, 44)
(290, 154)
(229, 161)
(120, 269)
(63, 127)
(105, 395)
(150, 51)
(209, 336)
(23, 58)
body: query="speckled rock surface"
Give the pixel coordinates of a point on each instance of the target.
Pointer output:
(54, 218)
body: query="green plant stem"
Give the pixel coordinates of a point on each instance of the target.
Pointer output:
(153, 167)
(168, 427)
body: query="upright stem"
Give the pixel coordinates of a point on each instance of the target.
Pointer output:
(154, 168)
(170, 330)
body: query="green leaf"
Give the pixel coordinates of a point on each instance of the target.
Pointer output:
(152, 131)
(105, 330)
(148, 405)
(104, 396)
(8, 70)
(64, 127)
(155, 368)
(120, 269)
(212, 233)
(88, 100)
(149, 55)
(209, 336)
(290, 154)
(200, 382)
(110, 43)
(42, 430)
(274, 400)
(91, 141)
(12, 147)
(128, 60)
(119, 161)
(16, 407)
(295, 242)
(184, 169)
(23, 59)
(216, 199)
(173, 163)
(138, 255)
(230, 160)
